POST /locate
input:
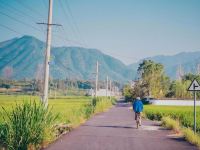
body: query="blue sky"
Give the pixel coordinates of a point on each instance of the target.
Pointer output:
(126, 29)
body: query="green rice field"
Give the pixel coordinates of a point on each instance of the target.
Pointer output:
(182, 113)
(65, 106)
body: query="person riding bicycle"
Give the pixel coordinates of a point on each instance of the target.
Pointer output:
(138, 108)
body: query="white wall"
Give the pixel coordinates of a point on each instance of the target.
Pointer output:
(175, 102)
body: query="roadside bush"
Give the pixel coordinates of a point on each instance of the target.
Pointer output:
(183, 114)
(26, 125)
(88, 109)
(101, 104)
(190, 136)
(179, 119)
(171, 124)
(78, 115)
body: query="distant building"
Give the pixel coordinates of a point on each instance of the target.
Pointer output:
(102, 92)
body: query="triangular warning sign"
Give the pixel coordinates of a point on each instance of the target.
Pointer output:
(194, 86)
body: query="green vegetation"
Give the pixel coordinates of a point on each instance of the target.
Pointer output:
(153, 79)
(153, 82)
(26, 125)
(128, 92)
(26, 114)
(171, 124)
(187, 133)
(191, 137)
(179, 119)
(184, 114)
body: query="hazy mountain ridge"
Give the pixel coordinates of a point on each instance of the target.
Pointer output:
(26, 55)
(187, 60)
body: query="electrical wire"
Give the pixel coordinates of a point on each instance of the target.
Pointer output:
(31, 9)
(18, 11)
(19, 21)
(73, 20)
(10, 29)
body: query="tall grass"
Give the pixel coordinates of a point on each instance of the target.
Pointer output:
(26, 125)
(101, 104)
(179, 119)
(171, 124)
(96, 105)
(191, 137)
(184, 114)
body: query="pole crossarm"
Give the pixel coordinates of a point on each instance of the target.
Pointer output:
(50, 24)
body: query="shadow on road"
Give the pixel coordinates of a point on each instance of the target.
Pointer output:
(110, 126)
(122, 103)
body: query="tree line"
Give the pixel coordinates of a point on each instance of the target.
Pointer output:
(153, 82)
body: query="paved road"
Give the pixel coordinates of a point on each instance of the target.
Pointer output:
(115, 130)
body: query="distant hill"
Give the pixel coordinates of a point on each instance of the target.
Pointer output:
(188, 60)
(25, 56)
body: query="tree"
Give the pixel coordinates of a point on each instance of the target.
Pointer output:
(178, 89)
(128, 92)
(153, 78)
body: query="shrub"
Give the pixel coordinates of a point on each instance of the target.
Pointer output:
(26, 125)
(191, 136)
(182, 113)
(102, 104)
(171, 124)
(88, 110)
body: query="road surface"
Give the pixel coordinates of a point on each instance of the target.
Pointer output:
(116, 130)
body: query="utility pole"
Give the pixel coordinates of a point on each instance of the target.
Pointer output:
(198, 69)
(110, 89)
(180, 72)
(97, 76)
(47, 54)
(107, 86)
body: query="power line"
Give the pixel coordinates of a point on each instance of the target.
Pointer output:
(18, 11)
(19, 21)
(72, 24)
(73, 20)
(67, 40)
(66, 16)
(31, 9)
(10, 29)
(45, 4)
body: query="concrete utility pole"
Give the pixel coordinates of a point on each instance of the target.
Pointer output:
(47, 53)
(97, 76)
(107, 86)
(47, 56)
(198, 69)
(110, 88)
(180, 72)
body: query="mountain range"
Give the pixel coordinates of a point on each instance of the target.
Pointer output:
(186, 61)
(24, 57)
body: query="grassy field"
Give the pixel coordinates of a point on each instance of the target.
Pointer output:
(65, 106)
(29, 118)
(182, 113)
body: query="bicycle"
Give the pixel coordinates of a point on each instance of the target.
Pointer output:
(138, 119)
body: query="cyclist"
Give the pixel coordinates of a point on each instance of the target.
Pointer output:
(138, 108)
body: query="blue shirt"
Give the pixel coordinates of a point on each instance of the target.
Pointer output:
(137, 106)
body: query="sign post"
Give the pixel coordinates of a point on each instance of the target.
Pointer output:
(194, 86)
